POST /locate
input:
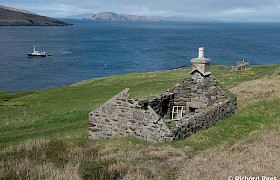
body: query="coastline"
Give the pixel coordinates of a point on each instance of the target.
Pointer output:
(87, 81)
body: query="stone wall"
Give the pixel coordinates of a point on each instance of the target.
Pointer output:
(204, 119)
(197, 92)
(205, 101)
(161, 104)
(122, 115)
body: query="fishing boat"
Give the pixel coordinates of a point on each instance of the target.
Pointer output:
(36, 53)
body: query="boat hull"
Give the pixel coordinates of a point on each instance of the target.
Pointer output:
(33, 55)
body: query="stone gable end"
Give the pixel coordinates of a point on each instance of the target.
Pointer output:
(122, 115)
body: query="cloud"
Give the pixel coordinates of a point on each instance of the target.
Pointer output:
(199, 9)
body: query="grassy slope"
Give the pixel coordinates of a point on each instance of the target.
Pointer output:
(12, 17)
(61, 113)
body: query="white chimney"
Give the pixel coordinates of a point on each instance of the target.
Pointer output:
(201, 52)
(201, 64)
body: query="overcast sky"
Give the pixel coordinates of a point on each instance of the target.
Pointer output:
(228, 10)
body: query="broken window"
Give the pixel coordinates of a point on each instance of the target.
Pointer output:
(177, 112)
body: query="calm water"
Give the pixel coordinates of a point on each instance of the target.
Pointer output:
(95, 49)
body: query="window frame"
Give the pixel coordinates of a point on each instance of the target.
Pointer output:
(179, 111)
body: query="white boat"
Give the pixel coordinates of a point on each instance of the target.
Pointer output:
(37, 53)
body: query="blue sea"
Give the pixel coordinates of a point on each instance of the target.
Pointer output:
(91, 49)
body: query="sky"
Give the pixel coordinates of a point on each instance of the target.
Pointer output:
(225, 10)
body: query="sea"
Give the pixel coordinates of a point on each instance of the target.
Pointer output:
(92, 49)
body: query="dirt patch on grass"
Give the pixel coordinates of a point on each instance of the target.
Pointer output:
(258, 89)
(258, 156)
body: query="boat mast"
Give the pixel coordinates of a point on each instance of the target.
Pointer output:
(34, 49)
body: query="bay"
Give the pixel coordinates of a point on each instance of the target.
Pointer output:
(91, 49)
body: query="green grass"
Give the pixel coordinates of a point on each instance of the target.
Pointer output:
(61, 116)
(233, 78)
(245, 122)
(62, 112)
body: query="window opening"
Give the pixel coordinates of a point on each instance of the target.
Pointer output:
(177, 112)
(192, 110)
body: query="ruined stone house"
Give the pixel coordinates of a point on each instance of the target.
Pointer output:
(242, 66)
(196, 103)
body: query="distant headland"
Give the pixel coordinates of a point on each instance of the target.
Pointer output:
(110, 16)
(16, 17)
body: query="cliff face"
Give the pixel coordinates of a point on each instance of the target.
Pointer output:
(110, 16)
(15, 17)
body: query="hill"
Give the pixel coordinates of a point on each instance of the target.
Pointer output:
(110, 16)
(80, 16)
(44, 134)
(16, 17)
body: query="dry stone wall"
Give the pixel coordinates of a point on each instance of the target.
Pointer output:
(122, 115)
(204, 119)
(192, 88)
(198, 93)
(161, 104)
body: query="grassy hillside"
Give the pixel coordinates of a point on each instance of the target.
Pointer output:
(15, 17)
(43, 134)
